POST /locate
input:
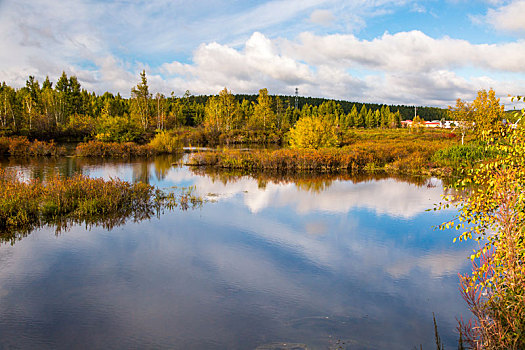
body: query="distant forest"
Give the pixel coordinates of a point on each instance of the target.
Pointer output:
(65, 111)
(406, 112)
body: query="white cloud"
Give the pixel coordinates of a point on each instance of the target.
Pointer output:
(323, 17)
(405, 68)
(411, 51)
(259, 64)
(510, 17)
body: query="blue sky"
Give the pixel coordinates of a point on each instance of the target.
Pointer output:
(386, 51)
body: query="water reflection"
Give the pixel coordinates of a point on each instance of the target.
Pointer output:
(317, 261)
(400, 196)
(65, 167)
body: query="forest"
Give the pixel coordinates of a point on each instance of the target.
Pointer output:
(64, 111)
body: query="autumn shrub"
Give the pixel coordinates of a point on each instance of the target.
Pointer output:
(113, 149)
(4, 145)
(20, 146)
(119, 129)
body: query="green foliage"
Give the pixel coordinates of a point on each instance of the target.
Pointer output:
(118, 129)
(63, 111)
(314, 132)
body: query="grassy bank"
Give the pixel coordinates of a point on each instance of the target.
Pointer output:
(25, 206)
(398, 151)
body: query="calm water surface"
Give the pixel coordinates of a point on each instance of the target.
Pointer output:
(320, 263)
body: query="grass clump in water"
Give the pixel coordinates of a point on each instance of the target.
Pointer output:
(25, 206)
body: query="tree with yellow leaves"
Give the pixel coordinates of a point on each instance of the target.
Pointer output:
(484, 116)
(314, 132)
(491, 203)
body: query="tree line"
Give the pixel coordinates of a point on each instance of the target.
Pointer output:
(65, 111)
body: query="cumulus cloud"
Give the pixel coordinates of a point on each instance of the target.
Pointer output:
(406, 67)
(259, 64)
(411, 51)
(509, 17)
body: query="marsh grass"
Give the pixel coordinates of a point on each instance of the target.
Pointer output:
(113, 150)
(25, 206)
(467, 155)
(406, 156)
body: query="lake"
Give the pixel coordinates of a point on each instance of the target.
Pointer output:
(270, 262)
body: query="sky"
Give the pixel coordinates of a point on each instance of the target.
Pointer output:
(413, 52)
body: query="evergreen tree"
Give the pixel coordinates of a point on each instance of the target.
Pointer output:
(352, 117)
(361, 118)
(377, 118)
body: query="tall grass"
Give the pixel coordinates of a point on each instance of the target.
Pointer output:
(25, 206)
(458, 156)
